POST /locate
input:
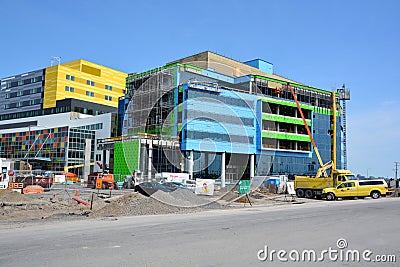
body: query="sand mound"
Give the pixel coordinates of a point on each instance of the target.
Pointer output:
(11, 196)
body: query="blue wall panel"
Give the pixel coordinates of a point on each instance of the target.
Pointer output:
(219, 114)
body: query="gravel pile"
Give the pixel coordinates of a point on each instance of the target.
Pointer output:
(178, 201)
(136, 204)
(181, 198)
(229, 195)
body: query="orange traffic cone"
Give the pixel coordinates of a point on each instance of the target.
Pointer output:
(76, 192)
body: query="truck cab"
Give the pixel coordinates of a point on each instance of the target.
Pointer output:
(341, 176)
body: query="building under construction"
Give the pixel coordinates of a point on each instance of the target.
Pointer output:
(212, 116)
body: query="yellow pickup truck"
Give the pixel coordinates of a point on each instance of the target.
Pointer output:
(358, 188)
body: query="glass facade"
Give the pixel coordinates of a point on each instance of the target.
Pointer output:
(77, 143)
(50, 149)
(44, 149)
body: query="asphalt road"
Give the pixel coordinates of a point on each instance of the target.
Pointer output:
(214, 238)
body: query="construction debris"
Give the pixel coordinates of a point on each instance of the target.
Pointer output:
(61, 204)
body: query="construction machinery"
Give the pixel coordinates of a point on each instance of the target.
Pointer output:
(102, 180)
(75, 178)
(312, 186)
(105, 181)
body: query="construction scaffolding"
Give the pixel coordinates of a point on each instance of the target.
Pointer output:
(344, 95)
(150, 117)
(151, 102)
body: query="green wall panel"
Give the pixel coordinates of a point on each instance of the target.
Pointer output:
(286, 136)
(279, 118)
(126, 157)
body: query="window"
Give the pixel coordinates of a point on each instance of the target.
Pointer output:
(108, 87)
(69, 89)
(88, 93)
(219, 137)
(370, 183)
(89, 82)
(107, 97)
(341, 186)
(70, 77)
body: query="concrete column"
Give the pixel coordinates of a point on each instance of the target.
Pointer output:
(104, 159)
(182, 164)
(251, 166)
(191, 163)
(206, 162)
(223, 169)
(150, 162)
(88, 151)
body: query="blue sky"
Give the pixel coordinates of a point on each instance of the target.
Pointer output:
(320, 43)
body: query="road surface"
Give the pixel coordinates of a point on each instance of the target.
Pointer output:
(232, 237)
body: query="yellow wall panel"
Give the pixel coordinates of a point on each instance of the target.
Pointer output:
(83, 70)
(91, 70)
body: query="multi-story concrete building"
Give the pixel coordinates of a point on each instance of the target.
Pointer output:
(46, 115)
(229, 118)
(77, 86)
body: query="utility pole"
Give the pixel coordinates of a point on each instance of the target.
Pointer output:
(396, 164)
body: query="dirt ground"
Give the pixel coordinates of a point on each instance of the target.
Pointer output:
(57, 204)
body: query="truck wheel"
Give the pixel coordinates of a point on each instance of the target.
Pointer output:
(375, 194)
(330, 196)
(309, 193)
(300, 193)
